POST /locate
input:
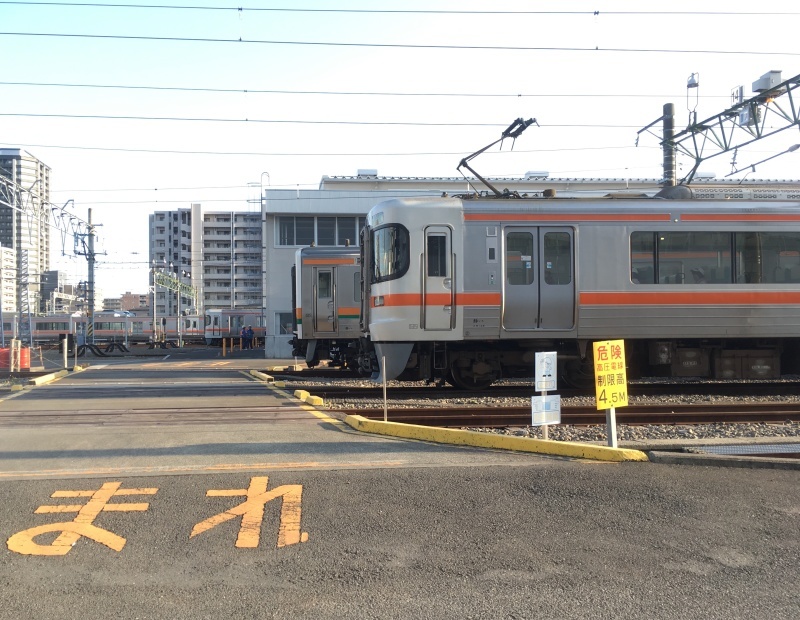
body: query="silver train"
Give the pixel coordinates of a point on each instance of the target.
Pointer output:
(468, 289)
(126, 327)
(326, 295)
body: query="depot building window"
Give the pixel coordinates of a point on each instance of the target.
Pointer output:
(320, 231)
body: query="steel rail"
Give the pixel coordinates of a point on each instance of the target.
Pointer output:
(587, 416)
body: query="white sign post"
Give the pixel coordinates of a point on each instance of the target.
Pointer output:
(546, 409)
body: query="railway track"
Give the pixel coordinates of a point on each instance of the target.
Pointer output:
(154, 416)
(771, 388)
(460, 417)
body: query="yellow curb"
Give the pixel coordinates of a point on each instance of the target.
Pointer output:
(263, 376)
(314, 400)
(276, 368)
(48, 378)
(301, 394)
(17, 387)
(280, 384)
(490, 440)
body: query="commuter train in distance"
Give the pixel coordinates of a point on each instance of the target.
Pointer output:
(128, 328)
(698, 283)
(326, 296)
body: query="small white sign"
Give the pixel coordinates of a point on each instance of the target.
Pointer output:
(546, 371)
(545, 410)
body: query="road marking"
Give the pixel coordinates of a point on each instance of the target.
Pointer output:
(252, 513)
(83, 524)
(204, 469)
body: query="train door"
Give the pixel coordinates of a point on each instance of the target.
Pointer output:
(539, 286)
(438, 309)
(324, 300)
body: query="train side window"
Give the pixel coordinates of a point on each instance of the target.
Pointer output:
(519, 258)
(324, 288)
(437, 255)
(557, 256)
(767, 257)
(643, 257)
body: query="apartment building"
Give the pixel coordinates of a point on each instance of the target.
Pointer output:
(24, 227)
(8, 279)
(216, 252)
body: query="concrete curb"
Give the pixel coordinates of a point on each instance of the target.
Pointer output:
(55, 375)
(48, 378)
(721, 460)
(500, 442)
(262, 376)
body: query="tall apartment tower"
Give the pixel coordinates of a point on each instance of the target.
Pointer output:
(8, 280)
(24, 225)
(217, 252)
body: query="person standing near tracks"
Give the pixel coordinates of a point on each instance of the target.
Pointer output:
(249, 336)
(244, 338)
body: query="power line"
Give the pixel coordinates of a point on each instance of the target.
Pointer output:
(288, 154)
(255, 91)
(115, 117)
(242, 9)
(394, 45)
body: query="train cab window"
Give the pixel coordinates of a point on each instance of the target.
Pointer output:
(437, 255)
(390, 252)
(519, 258)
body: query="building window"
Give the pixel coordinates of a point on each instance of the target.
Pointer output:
(322, 231)
(283, 323)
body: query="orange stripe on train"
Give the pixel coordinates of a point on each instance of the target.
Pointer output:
(568, 217)
(436, 299)
(329, 261)
(689, 298)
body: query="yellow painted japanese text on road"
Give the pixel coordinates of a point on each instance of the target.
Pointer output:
(252, 513)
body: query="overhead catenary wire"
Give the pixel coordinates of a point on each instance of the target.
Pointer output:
(260, 91)
(481, 12)
(421, 46)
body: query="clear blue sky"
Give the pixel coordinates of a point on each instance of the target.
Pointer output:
(189, 64)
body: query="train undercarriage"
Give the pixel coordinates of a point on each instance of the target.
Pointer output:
(475, 366)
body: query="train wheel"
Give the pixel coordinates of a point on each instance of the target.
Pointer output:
(460, 378)
(579, 374)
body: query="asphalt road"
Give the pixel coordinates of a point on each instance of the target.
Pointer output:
(289, 514)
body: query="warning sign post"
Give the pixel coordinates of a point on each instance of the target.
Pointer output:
(611, 383)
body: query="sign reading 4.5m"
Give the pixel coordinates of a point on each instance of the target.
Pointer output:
(611, 383)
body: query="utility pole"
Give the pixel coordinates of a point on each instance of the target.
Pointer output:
(668, 146)
(90, 258)
(87, 242)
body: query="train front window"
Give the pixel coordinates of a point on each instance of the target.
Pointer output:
(390, 252)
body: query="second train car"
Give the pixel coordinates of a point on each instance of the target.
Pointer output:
(326, 295)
